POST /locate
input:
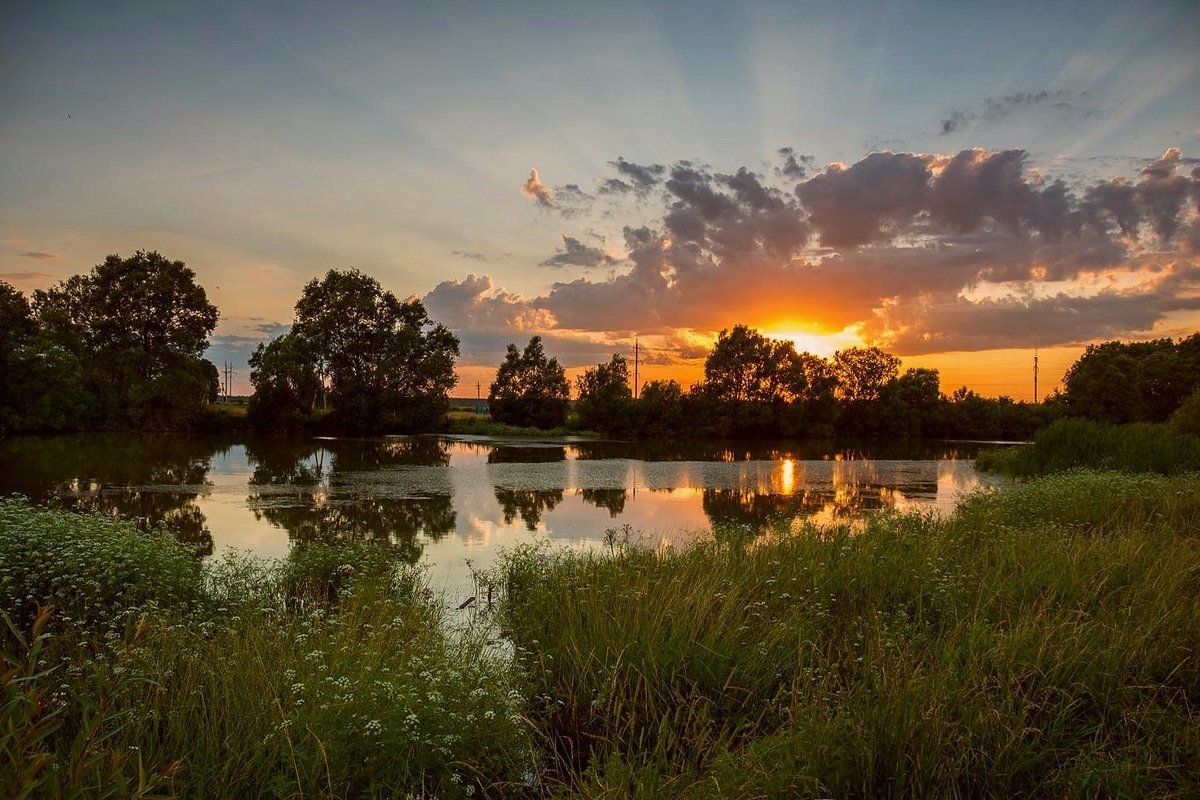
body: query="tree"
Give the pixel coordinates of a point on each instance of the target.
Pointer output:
(139, 326)
(1133, 381)
(283, 373)
(530, 389)
(862, 372)
(661, 410)
(605, 401)
(383, 362)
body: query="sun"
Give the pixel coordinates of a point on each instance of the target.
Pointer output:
(812, 341)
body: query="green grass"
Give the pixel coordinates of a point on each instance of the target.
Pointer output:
(479, 425)
(1070, 443)
(1041, 643)
(330, 674)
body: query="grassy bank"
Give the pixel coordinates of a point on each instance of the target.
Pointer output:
(1071, 443)
(330, 674)
(1041, 642)
(480, 425)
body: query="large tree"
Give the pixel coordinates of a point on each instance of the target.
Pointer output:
(862, 372)
(383, 363)
(283, 373)
(530, 389)
(605, 401)
(139, 326)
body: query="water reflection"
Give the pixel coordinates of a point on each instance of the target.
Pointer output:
(449, 499)
(154, 480)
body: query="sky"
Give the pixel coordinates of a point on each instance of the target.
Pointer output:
(957, 182)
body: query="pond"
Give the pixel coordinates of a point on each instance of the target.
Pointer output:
(454, 501)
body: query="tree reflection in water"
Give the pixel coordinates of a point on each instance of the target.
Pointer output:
(528, 504)
(118, 475)
(318, 509)
(613, 500)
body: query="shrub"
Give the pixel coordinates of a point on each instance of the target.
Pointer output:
(1071, 443)
(92, 568)
(1186, 419)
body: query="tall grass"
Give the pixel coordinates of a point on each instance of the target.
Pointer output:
(1041, 642)
(1069, 443)
(331, 674)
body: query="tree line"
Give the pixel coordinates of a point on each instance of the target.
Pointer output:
(757, 386)
(122, 347)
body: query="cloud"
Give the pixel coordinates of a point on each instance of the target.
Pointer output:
(936, 324)
(794, 166)
(472, 303)
(469, 255)
(851, 206)
(578, 254)
(896, 244)
(641, 177)
(40, 256)
(995, 109)
(534, 188)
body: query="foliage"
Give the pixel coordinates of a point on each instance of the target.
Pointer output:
(862, 372)
(1186, 418)
(330, 674)
(1133, 381)
(92, 568)
(1039, 643)
(1070, 443)
(605, 401)
(530, 389)
(381, 362)
(283, 373)
(137, 328)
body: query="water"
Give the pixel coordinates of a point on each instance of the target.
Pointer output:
(455, 501)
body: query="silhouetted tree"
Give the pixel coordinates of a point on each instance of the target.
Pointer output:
(660, 410)
(605, 401)
(283, 373)
(386, 365)
(530, 389)
(1133, 381)
(139, 328)
(862, 372)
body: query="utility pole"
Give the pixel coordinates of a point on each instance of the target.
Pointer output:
(635, 369)
(229, 372)
(1035, 372)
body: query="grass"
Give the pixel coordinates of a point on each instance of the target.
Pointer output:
(479, 425)
(1070, 443)
(330, 674)
(1040, 642)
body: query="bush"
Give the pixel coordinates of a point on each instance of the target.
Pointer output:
(1186, 419)
(1071, 443)
(92, 568)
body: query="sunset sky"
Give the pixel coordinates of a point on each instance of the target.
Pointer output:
(957, 182)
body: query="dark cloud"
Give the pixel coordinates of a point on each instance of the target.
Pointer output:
(995, 109)
(272, 329)
(941, 324)
(469, 254)
(640, 178)
(578, 254)
(851, 206)
(976, 185)
(794, 166)
(471, 304)
(40, 256)
(1163, 193)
